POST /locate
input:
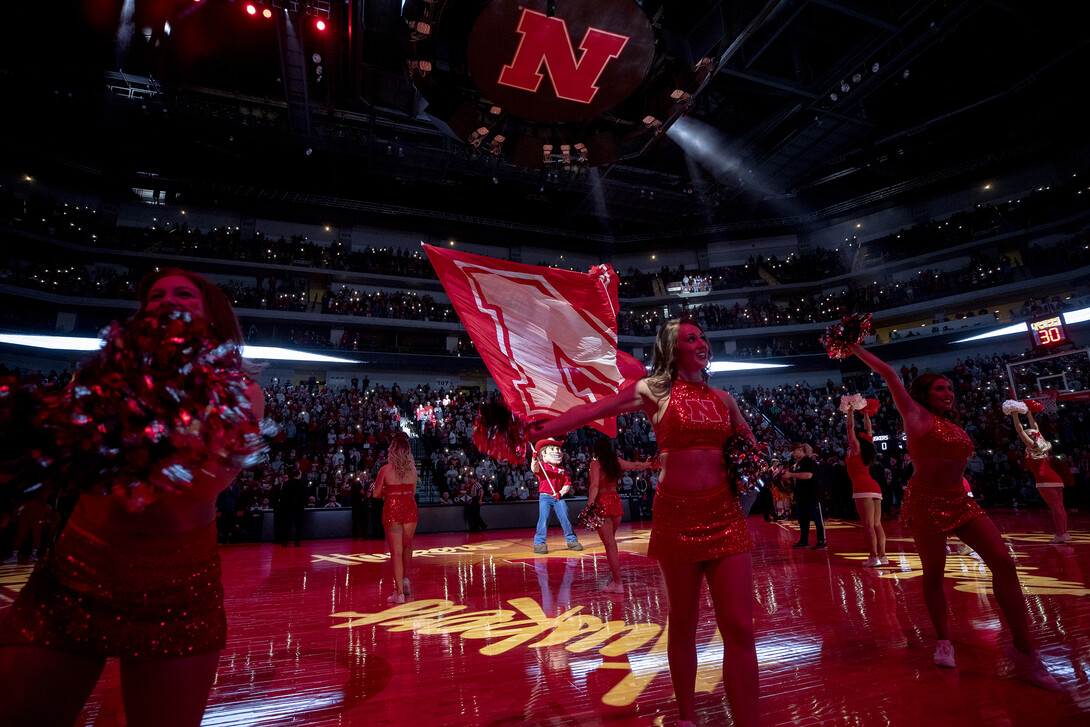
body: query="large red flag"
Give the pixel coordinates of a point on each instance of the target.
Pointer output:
(547, 336)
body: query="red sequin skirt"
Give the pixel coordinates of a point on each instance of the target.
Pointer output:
(139, 597)
(399, 509)
(694, 526)
(937, 510)
(611, 503)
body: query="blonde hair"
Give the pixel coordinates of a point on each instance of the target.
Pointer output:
(400, 456)
(664, 362)
(1041, 446)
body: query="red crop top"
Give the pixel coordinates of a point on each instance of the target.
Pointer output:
(859, 474)
(1041, 469)
(944, 440)
(695, 418)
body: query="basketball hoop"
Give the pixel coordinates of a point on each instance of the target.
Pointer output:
(1047, 399)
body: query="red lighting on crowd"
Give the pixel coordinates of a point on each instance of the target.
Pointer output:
(251, 10)
(319, 24)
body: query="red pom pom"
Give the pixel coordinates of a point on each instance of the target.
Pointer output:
(501, 434)
(591, 517)
(872, 407)
(1033, 405)
(161, 398)
(840, 337)
(747, 464)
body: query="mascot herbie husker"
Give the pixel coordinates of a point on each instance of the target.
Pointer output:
(552, 484)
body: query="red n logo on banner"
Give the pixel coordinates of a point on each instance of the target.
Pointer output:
(546, 41)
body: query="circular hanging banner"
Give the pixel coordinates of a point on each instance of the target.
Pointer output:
(582, 60)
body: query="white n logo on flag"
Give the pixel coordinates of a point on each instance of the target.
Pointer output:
(565, 356)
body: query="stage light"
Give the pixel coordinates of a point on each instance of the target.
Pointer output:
(319, 24)
(495, 110)
(679, 96)
(251, 9)
(651, 122)
(266, 13)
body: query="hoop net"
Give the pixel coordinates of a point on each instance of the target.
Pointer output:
(1047, 399)
(1052, 378)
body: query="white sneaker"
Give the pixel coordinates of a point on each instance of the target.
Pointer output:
(944, 654)
(872, 562)
(883, 560)
(1065, 537)
(1034, 668)
(10, 561)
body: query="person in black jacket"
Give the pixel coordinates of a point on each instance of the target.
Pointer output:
(294, 502)
(803, 476)
(361, 510)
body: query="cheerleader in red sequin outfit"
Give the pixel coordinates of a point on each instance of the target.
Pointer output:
(698, 530)
(865, 491)
(1050, 486)
(605, 470)
(396, 482)
(935, 506)
(142, 586)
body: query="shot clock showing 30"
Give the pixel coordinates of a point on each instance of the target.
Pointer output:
(1048, 332)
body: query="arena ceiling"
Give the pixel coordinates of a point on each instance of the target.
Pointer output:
(808, 110)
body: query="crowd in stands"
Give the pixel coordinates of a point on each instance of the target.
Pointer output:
(982, 271)
(1041, 206)
(337, 440)
(289, 292)
(757, 271)
(272, 293)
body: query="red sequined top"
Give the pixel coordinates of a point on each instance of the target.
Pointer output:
(695, 418)
(944, 440)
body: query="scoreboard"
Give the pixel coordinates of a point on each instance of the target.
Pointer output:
(1048, 332)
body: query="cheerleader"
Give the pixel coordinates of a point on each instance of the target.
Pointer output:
(1049, 484)
(396, 483)
(605, 470)
(698, 531)
(865, 491)
(936, 506)
(143, 586)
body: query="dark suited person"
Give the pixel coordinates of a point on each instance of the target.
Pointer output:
(376, 531)
(361, 511)
(276, 502)
(803, 476)
(294, 502)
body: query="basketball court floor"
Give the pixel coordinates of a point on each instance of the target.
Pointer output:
(494, 635)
